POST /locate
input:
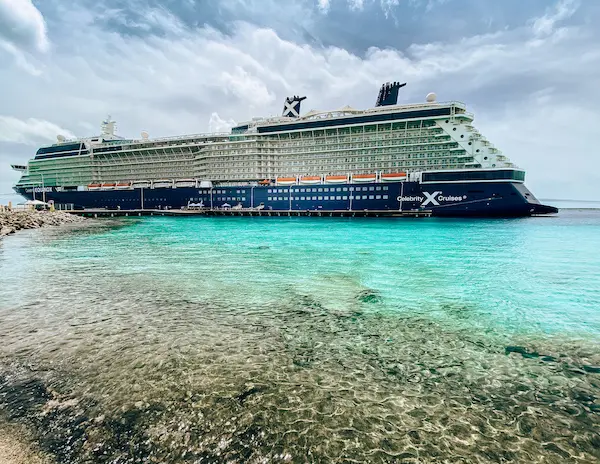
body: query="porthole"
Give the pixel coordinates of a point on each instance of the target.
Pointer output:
(447, 121)
(477, 151)
(485, 157)
(493, 165)
(454, 128)
(462, 136)
(470, 143)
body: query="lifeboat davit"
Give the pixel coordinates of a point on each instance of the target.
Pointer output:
(393, 177)
(185, 183)
(162, 183)
(109, 185)
(310, 180)
(336, 179)
(123, 185)
(364, 177)
(141, 184)
(94, 186)
(286, 180)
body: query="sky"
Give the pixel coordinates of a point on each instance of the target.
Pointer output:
(529, 70)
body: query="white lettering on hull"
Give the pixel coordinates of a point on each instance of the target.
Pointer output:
(433, 199)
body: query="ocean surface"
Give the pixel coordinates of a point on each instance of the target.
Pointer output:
(259, 340)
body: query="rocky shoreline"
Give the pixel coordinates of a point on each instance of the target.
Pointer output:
(12, 221)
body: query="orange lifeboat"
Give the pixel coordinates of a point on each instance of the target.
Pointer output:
(286, 180)
(336, 179)
(109, 185)
(393, 177)
(265, 182)
(364, 177)
(93, 186)
(123, 185)
(310, 180)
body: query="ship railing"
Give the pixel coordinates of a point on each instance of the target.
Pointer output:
(380, 109)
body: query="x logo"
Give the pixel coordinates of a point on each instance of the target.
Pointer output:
(290, 108)
(430, 198)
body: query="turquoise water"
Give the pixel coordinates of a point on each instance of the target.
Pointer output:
(305, 340)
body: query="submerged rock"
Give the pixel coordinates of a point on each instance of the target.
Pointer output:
(369, 296)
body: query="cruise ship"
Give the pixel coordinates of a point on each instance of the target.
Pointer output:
(393, 157)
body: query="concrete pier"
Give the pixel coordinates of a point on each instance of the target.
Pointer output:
(250, 212)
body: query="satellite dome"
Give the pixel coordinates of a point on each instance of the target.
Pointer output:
(431, 97)
(145, 135)
(60, 138)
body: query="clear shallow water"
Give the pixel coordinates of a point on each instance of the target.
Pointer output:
(305, 340)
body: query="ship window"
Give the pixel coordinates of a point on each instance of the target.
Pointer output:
(378, 197)
(338, 198)
(371, 188)
(385, 188)
(243, 198)
(303, 198)
(485, 157)
(470, 143)
(338, 189)
(314, 198)
(280, 198)
(507, 174)
(371, 197)
(269, 191)
(344, 198)
(462, 136)
(377, 188)
(320, 190)
(477, 151)
(302, 190)
(454, 128)
(385, 197)
(320, 198)
(345, 189)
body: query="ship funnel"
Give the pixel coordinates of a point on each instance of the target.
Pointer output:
(388, 94)
(291, 107)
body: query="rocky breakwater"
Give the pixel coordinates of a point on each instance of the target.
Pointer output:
(11, 221)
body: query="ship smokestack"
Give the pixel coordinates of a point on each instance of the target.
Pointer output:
(388, 94)
(291, 107)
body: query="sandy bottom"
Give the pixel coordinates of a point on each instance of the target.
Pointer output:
(16, 447)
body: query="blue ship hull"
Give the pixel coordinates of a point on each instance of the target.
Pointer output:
(483, 199)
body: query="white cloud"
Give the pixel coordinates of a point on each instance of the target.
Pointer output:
(22, 24)
(323, 5)
(22, 32)
(30, 131)
(191, 80)
(564, 9)
(218, 124)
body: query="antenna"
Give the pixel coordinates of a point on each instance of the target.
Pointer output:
(108, 127)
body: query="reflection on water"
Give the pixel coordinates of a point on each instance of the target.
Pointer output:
(240, 340)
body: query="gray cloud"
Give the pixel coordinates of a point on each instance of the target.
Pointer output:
(530, 84)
